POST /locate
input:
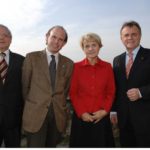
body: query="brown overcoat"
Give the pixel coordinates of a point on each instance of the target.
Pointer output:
(37, 90)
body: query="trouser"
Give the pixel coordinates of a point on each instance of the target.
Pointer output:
(11, 137)
(129, 137)
(48, 135)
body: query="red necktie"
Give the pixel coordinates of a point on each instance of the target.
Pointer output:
(3, 67)
(129, 64)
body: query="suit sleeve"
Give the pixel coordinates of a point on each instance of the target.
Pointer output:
(26, 76)
(69, 73)
(145, 92)
(115, 62)
(145, 89)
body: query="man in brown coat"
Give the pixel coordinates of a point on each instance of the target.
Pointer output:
(46, 82)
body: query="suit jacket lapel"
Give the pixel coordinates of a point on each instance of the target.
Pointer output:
(137, 62)
(60, 69)
(1, 84)
(45, 68)
(44, 65)
(123, 65)
(10, 67)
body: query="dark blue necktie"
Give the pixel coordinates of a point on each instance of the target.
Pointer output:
(52, 68)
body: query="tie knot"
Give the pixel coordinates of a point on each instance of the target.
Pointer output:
(130, 55)
(53, 57)
(2, 54)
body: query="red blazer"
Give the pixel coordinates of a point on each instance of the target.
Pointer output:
(92, 87)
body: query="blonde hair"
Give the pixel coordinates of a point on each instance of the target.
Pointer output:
(90, 37)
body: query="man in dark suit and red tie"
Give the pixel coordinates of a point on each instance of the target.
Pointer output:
(11, 101)
(132, 75)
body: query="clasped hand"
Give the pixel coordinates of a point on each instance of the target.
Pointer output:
(93, 117)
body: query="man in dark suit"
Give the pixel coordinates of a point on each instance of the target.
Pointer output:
(46, 79)
(132, 75)
(11, 101)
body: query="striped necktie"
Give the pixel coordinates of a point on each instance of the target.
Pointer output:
(3, 67)
(129, 64)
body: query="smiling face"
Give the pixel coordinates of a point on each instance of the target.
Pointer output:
(56, 39)
(91, 49)
(91, 44)
(130, 37)
(5, 39)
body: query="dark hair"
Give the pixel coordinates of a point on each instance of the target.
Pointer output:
(131, 24)
(61, 27)
(7, 29)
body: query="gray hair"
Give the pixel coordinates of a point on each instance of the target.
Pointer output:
(7, 29)
(131, 24)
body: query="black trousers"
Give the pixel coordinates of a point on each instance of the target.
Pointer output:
(48, 135)
(87, 135)
(10, 136)
(130, 138)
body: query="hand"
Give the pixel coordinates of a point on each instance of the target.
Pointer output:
(114, 119)
(98, 115)
(87, 117)
(133, 94)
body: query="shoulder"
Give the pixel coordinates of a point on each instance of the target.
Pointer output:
(145, 50)
(35, 56)
(79, 64)
(105, 64)
(35, 53)
(16, 56)
(66, 60)
(119, 58)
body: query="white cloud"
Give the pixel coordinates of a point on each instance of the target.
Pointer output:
(23, 18)
(21, 14)
(29, 20)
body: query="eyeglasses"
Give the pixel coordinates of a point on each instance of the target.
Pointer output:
(5, 35)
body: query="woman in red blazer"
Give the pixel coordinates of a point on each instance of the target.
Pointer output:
(92, 92)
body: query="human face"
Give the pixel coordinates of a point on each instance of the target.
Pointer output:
(91, 49)
(55, 40)
(5, 39)
(130, 37)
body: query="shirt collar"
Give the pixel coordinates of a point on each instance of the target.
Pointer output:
(135, 51)
(85, 62)
(6, 52)
(48, 53)
(6, 56)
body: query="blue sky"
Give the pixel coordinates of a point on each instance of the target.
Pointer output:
(29, 20)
